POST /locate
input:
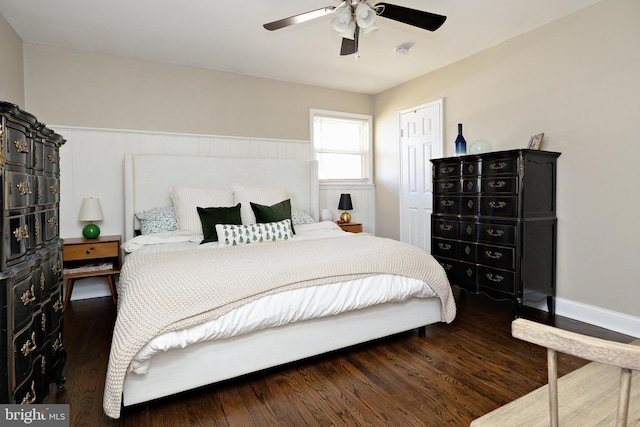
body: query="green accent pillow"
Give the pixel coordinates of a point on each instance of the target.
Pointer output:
(210, 217)
(274, 213)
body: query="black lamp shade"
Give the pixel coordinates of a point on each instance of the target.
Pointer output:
(345, 202)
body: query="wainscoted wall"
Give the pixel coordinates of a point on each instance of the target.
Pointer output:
(92, 165)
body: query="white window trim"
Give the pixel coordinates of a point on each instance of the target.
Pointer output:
(342, 115)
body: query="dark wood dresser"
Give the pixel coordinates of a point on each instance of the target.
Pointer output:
(494, 225)
(31, 337)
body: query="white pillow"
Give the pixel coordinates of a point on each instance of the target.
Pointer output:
(187, 199)
(234, 235)
(260, 195)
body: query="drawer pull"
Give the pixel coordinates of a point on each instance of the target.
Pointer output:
(57, 344)
(43, 365)
(445, 227)
(53, 222)
(30, 397)
(493, 255)
(447, 169)
(497, 205)
(469, 230)
(58, 305)
(24, 188)
(469, 272)
(470, 185)
(470, 168)
(39, 190)
(495, 233)
(28, 296)
(52, 158)
(21, 233)
(54, 189)
(497, 166)
(497, 277)
(30, 345)
(447, 266)
(56, 268)
(21, 145)
(43, 322)
(37, 227)
(447, 203)
(446, 185)
(444, 246)
(497, 184)
(42, 281)
(470, 204)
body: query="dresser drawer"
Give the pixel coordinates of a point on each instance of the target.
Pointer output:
(501, 234)
(446, 186)
(444, 248)
(23, 302)
(25, 349)
(446, 204)
(468, 231)
(90, 251)
(499, 185)
(446, 170)
(467, 251)
(500, 166)
(18, 146)
(495, 279)
(18, 190)
(444, 228)
(467, 276)
(469, 205)
(470, 185)
(470, 168)
(496, 256)
(499, 206)
(450, 266)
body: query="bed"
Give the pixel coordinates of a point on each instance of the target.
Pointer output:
(175, 293)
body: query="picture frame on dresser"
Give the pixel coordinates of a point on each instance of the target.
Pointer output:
(535, 142)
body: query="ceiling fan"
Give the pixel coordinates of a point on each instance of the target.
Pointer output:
(356, 17)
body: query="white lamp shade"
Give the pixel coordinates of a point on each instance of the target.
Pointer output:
(90, 210)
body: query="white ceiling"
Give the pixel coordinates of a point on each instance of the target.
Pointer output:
(228, 35)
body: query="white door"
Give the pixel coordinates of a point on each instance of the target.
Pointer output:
(420, 141)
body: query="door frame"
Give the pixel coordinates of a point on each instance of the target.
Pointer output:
(440, 104)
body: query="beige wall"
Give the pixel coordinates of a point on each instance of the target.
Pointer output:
(576, 80)
(92, 90)
(11, 65)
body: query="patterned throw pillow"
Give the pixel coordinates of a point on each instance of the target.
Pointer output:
(233, 235)
(157, 220)
(300, 216)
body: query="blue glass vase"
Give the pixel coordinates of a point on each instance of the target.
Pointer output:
(461, 144)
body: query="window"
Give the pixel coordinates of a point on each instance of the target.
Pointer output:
(342, 143)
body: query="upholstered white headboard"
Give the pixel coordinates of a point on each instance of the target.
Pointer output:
(148, 178)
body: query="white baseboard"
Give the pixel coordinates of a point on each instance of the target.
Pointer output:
(612, 320)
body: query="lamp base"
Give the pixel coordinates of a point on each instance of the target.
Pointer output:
(345, 217)
(91, 231)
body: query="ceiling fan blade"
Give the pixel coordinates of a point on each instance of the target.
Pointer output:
(417, 18)
(349, 47)
(296, 19)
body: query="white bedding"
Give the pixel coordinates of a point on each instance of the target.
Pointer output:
(277, 309)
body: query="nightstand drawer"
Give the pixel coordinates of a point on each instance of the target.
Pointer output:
(91, 251)
(351, 227)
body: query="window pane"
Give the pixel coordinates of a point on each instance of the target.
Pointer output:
(339, 166)
(337, 135)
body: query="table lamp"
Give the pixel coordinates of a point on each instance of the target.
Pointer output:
(345, 205)
(90, 211)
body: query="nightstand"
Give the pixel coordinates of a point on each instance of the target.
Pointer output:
(84, 258)
(351, 227)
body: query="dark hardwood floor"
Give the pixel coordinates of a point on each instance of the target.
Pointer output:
(452, 375)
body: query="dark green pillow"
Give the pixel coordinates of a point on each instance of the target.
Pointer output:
(278, 212)
(209, 217)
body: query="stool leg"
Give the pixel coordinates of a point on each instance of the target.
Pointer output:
(67, 294)
(112, 287)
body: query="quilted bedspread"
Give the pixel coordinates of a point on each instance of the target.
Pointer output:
(168, 291)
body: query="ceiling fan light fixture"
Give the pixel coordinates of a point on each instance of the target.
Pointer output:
(365, 15)
(342, 20)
